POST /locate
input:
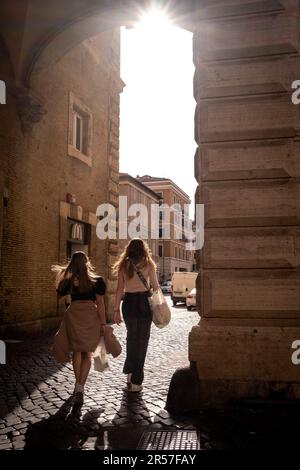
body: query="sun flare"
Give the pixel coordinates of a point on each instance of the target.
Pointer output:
(154, 20)
(157, 104)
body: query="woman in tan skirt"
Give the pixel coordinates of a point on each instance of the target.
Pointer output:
(84, 320)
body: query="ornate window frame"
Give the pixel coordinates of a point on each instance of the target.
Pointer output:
(77, 107)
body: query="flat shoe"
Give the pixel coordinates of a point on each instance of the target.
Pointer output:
(78, 398)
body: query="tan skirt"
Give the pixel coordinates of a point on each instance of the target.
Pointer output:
(79, 330)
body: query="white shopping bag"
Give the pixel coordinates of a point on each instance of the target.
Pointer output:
(160, 309)
(100, 357)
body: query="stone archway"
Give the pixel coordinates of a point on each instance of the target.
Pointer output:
(246, 55)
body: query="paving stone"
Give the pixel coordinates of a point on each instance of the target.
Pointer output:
(33, 420)
(12, 422)
(124, 413)
(144, 422)
(144, 413)
(163, 414)
(23, 431)
(7, 445)
(19, 445)
(119, 421)
(41, 416)
(6, 430)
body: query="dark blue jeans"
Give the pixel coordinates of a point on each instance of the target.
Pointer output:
(137, 317)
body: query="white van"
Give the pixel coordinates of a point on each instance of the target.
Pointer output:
(182, 284)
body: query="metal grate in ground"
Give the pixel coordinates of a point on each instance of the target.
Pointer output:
(169, 440)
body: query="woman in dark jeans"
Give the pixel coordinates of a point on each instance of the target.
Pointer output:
(135, 308)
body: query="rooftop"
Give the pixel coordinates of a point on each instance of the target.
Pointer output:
(156, 179)
(126, 177)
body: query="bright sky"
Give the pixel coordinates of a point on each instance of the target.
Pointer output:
(157, 104)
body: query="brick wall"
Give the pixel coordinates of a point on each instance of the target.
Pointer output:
(41, 173)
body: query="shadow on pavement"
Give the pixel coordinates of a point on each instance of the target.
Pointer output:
(132, 418)
(68, 429)
(232, 428)
(29, 366)
(64, 430)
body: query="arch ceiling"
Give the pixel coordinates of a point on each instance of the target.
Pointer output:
(38, 33)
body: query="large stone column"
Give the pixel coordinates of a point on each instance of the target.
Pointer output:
(247, 165)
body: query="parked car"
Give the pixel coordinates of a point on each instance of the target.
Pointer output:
(191, 299)
(166, 287)
(182, 283)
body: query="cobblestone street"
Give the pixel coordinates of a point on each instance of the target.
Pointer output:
(37, 410)
(36, 401)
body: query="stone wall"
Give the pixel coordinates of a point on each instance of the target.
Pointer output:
(246, 56)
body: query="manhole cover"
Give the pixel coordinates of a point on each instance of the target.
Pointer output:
(169, 440)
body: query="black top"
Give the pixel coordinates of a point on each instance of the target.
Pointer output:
(65, 287)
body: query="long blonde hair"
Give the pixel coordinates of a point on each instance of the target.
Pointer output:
(79, 269)
(136, 251)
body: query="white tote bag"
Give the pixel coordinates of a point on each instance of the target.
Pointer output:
(160, 309)
(100, 357)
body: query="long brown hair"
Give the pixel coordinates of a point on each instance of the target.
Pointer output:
(137, 251)
(79, 270)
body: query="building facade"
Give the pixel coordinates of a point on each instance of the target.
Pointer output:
(60, 163)
(138, 193)
(173, 255)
